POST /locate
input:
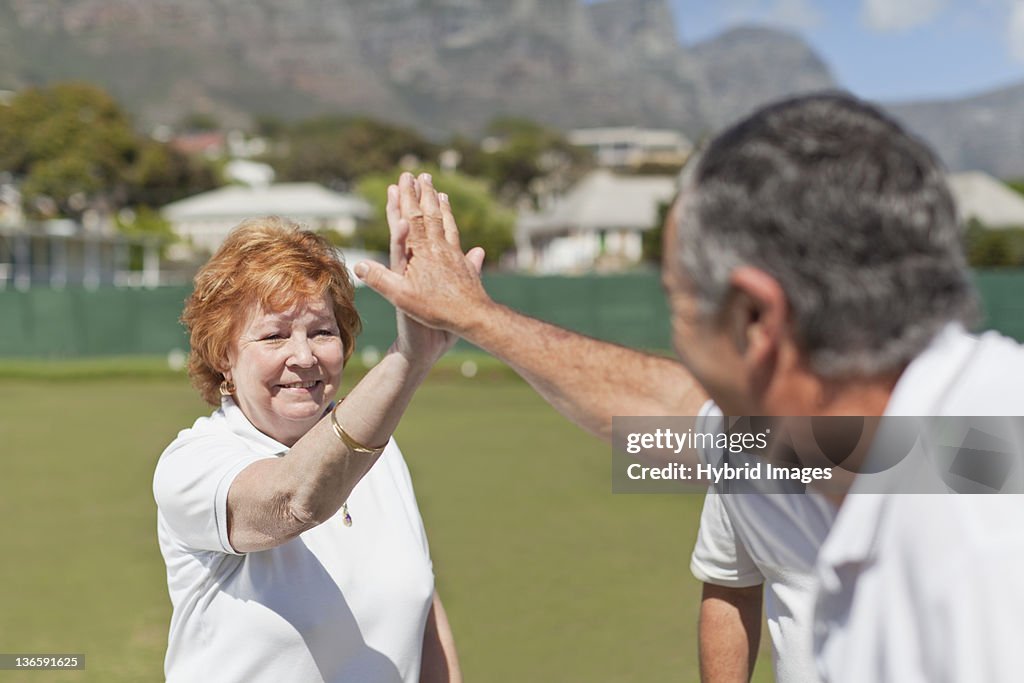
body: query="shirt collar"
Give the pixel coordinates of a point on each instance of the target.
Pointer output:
(918, 392)
(922, 385)
(239, 425)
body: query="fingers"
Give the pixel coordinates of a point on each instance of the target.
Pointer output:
(430, 206)
(476, 258)
(418, 203)
(409, 203)
(428, 195)
(391, 208)
(399, 231)
(451, 230)
(385, 282)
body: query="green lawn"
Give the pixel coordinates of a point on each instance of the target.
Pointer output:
(546, 575)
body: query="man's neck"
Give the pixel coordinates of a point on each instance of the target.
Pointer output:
(805, 393)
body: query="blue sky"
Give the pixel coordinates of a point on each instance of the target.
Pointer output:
(889, 50)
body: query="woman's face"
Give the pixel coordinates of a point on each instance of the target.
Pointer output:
(286, 367)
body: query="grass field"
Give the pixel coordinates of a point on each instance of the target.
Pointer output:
(545, 574)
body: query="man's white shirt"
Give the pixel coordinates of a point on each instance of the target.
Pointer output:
(748, 537)
(926, 588)
(885, 596)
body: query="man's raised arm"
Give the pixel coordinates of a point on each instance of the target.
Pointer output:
(586, 380)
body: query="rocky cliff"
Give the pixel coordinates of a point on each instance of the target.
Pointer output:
(450, 65)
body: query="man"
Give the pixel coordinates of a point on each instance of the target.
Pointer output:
(813, 267)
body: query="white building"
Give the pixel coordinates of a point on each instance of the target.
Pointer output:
(248, 172)
(599, 223)
(630, 147)
(62, 253)
(11, 214)
(988, 200)
(204, 220)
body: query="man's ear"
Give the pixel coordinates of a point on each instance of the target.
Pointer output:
(756, 316)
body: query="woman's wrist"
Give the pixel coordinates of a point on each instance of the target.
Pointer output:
(413, 366)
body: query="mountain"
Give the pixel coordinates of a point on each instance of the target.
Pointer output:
(984, 132)
(442, 65)
(447, 65)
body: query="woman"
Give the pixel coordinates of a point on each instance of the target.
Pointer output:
(294, 547)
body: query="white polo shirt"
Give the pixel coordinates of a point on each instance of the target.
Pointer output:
(748, 537)
(926, 588)
(335, 604)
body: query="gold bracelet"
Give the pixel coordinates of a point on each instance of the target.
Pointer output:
(353, 446)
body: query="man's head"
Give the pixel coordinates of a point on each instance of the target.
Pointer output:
(818, 219)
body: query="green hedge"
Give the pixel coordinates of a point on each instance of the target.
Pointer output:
(629, 309)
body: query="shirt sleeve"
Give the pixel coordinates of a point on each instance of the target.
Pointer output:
(191, 488)
(719, 556)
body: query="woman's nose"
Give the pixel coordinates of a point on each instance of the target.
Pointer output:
(301, 352)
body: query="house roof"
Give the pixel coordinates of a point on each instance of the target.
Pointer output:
(987, 199)
(198, 143)
(294, 200)
(604, 201)
(627, 134)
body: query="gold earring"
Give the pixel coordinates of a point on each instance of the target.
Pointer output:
(227, 387)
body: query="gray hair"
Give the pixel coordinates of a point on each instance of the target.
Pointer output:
(848, 212)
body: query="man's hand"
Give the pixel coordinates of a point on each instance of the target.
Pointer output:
(586, 380)
(430, 280)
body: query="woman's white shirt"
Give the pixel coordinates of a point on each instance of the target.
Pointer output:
(335, 604)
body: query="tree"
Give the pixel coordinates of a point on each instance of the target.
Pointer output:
(70, 144)
(161, 175)
(483, 222)
(199, 122)
(72, 148)
(336, 151)
(989, 248)
(653, 238)
(518, 153)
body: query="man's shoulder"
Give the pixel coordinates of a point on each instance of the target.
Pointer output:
(994, 350)
(962, 374)
(989, 381)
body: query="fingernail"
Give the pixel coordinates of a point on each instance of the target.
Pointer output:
(428, 179)
(360, 270)
(407, 176)
(443, 197)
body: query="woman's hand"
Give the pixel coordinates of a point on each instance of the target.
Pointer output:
(415, 201)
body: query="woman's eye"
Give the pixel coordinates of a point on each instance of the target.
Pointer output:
(272, 337)
(321, 333)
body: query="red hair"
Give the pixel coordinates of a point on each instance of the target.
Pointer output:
(271, 261)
